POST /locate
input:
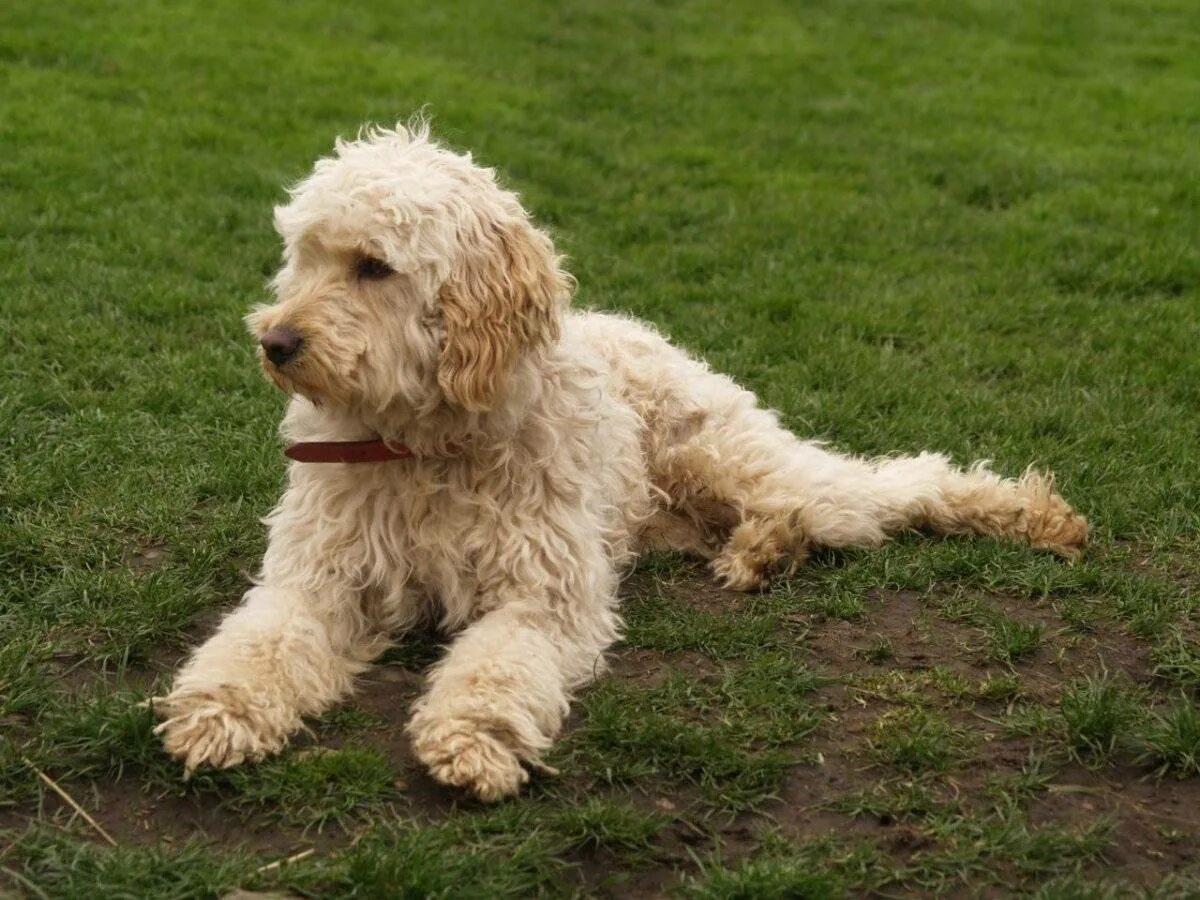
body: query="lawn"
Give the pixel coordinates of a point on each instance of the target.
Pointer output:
(969, 226)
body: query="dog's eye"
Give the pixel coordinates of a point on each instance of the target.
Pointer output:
(371, 268)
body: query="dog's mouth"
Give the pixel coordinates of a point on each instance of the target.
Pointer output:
(273, 371)
(289, 377)
(306, 376)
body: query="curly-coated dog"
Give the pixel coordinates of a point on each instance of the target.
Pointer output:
(419, 306)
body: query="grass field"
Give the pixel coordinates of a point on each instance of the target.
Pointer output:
(969, 226)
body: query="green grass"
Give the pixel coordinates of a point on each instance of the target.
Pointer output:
(1098, 712)
(1172, 740)
(879, 651)
(656, 621)
(1176, 660)
(315, 788)
(1010, 790)
(729, 737)
(805, 875)
(960, 850)
(916, 740)
(967, 226)
(1010, 640)
(56, 864)
(514, 851)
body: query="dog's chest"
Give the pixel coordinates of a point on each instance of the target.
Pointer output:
(414, 523)
(436, 512)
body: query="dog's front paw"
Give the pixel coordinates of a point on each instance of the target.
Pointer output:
(459, 753)
(217, 726)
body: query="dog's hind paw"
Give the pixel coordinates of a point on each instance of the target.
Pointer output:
(1063, 533)
(1050, 522)
(757, 550)
(737, 572)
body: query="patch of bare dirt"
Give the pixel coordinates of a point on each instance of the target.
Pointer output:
(1155, 822)
(650, 668)
(146, 557)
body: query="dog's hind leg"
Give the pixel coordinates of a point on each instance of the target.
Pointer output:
(869, 500)
(788, 496)
(861, 503)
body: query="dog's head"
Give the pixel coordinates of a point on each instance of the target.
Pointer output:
(411, 280)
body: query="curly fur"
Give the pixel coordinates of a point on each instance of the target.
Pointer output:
(551, 444)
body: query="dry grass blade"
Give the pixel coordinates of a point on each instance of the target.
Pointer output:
(280, 863)
(70, 801)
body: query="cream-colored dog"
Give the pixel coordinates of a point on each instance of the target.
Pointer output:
(418, 303)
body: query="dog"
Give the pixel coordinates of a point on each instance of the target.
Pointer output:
(474, 452)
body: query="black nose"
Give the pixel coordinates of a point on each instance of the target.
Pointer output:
(281, 345)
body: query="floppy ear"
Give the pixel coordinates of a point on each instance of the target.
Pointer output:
(505, 298)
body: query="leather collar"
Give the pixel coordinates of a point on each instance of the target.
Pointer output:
(377, 450)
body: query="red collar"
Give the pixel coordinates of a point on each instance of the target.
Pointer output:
(377, 450)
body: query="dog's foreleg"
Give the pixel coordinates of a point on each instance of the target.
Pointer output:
(499, 697)
(281, 655)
